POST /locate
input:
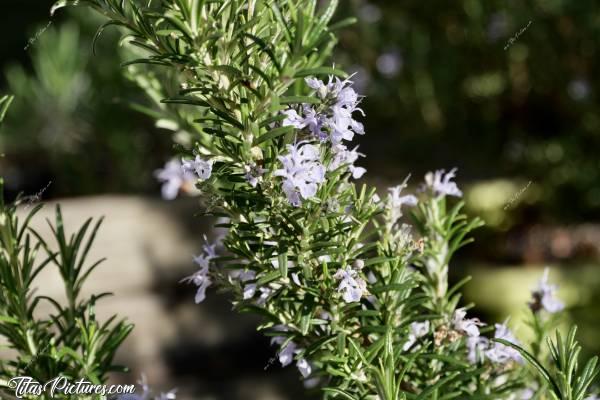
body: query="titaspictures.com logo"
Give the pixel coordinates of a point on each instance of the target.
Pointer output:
(26, 386)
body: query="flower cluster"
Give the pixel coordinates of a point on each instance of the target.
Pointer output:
(180, 175)
(352, 286)
(302, 172)
(288, 351)
(332, 123)
(201, 277)
(480, 347)
(336, 122)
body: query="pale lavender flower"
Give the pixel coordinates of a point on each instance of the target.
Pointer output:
(544, 297)
(302, 172)
(468, 326)
(286, 354)
(342, 125)
(343, 156)
(352, 286)
(304, 367)
(318, 85)
(336, 123)
(201, 277)
(202, 168)
(265, 293)
(396, 201)
(210, 249)
(476, 347)
(173, 178)
(417, 330)
(440, 183)
(293, 119)
(315, 122)
(253, 174)
(248, 289)
(500, 353)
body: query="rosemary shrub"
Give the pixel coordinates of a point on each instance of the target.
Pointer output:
(352, 291)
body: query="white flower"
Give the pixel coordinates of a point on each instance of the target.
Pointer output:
(304, 367)
(417, 330)
(440, 183)
(470, 327)
(352, 286)
(500, 353)
(302, 172)
(173, 177)
(544, 297)
(202, 168)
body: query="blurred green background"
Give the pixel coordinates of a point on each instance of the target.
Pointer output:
(504, 90)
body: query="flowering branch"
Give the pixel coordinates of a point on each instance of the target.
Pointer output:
(362, 308)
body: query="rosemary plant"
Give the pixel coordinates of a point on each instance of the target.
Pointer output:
(351, 292)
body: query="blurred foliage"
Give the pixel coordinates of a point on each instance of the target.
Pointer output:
(68, 125)
(442, 90)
